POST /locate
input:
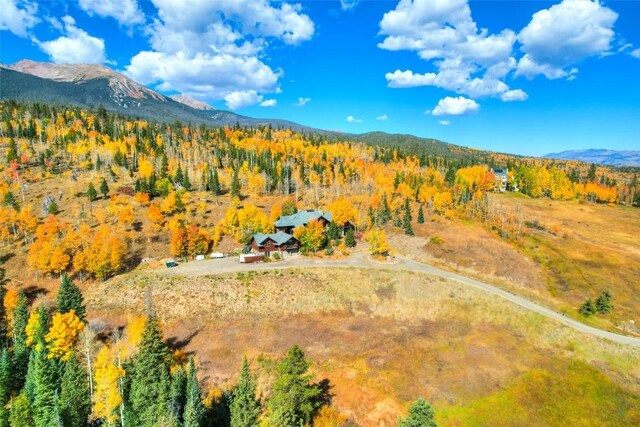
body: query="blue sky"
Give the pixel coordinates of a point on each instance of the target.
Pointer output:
(526, 77)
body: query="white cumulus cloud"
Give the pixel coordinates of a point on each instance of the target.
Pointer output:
(213, 49)
(514, 95)
(382, 118)
(241, 99)
(467, 60)
(635, 53)
(269, 103)
(18, 16)
(75, 47)
(563, 35)
(449, 106)
(445, 122)
(352, 119)
(126, 12)
(302, 102)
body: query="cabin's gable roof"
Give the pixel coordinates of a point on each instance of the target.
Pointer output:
(302, 218)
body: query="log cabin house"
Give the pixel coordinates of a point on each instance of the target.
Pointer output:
(279, 242)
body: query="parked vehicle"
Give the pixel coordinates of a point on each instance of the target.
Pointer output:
(250, 258)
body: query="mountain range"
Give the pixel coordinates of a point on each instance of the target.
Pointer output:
(91, 86)
(600, 156)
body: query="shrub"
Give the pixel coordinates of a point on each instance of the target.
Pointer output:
(436, 240)
(588, 308)
(53, 208)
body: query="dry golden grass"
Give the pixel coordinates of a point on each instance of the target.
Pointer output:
(381, 338)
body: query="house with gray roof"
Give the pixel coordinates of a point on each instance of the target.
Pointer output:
(280, 242)
(288, 223)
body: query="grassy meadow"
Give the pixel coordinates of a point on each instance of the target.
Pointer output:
(384, 338)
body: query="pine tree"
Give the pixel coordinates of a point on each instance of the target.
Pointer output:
(214, 184)
(350, 238)
(149, 392)
(406, 220)
(178, 177)
(42, 376)
(20, 415)
(420, 215)
(75, 396)
(603, 302)
(294, 399)
(235, 184)
(194, 410)
(104, 188)
(385, 214)
(70, 298)
(91, 192)
(164, 166)
(3, 315)
(178, 394)
(20, 359)
(245, 408)
(186, 183)
(333, 232)
(588, 308)
(5, 387)
(420, 415)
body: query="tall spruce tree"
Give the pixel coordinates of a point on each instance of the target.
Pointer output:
(20, 358)
(3, 315)
(235, 184)
(92, 194)
(245, 408)
(194, 410)
(104, 188)
(75, 396)
(178, 177)
(406, 219)
(603, 302)
(420, 415)
(42, 378)
(178, 394)
(420, 215)
(5, 387)
(295, 398)
(214, 184)
(186, 183)
(350, 238)
(70, 298)
(20, 414)
(149, 387)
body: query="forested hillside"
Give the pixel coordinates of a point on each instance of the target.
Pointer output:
(87, 195)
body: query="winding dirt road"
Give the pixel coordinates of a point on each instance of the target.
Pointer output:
(362, 260)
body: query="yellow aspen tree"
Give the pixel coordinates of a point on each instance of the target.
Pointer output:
(377, 239)
(63, 334)
(10, 303)
(33, 324)
(106, 398)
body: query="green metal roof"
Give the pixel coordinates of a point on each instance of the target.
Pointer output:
(279, 238)
(302, 218)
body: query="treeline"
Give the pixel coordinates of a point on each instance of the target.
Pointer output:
(55, 370)
(152, 178)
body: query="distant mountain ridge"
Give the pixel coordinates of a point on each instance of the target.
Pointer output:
(90, 86)
(600, 156)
